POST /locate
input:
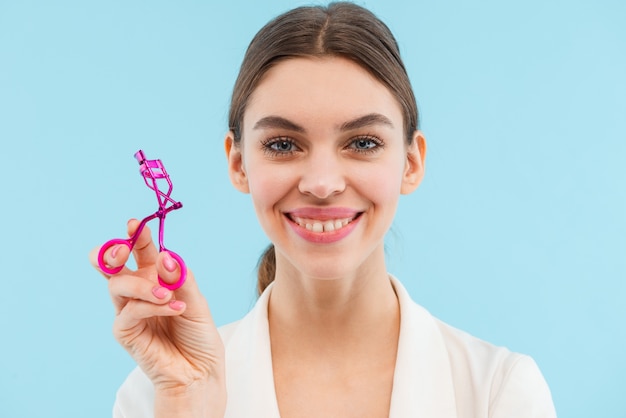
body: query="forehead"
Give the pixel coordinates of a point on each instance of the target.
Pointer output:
(320, 90)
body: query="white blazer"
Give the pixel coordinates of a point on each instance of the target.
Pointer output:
(441, 372)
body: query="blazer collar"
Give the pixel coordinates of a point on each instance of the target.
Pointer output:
(250, 377)
(422, 384)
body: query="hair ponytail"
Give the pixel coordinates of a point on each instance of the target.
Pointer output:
(266, 269)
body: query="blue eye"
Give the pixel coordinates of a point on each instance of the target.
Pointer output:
(366, 144)
(281, 146)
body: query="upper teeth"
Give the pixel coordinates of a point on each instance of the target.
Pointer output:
(322, 226)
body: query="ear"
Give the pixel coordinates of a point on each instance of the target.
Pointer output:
(415, 164)
(236, 170)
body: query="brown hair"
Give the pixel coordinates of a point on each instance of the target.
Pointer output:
(341, 29)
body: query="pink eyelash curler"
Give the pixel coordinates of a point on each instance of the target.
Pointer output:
(151, 171)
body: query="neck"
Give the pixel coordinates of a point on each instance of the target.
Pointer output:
(339, 315)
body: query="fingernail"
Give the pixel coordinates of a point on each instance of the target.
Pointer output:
(169, 263)
(114, 250)
(160, 292)
(177, 305)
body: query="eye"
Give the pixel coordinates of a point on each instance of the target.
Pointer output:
(279, 146)
(365, 144)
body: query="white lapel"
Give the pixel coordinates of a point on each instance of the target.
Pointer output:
(422, 384)
(250, 378)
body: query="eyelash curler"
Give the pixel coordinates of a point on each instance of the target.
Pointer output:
(151, 171)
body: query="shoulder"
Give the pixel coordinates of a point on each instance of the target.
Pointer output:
(473, 356)
(507, 383)
(486, 379)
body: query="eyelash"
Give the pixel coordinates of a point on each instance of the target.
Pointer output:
(269, 143)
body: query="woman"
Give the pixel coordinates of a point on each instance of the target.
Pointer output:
(324, 137)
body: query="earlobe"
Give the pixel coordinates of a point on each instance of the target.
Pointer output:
(415, 164)
(236, 170)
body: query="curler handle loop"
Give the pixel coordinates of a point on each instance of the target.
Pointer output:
(183, 272)
(107, 245)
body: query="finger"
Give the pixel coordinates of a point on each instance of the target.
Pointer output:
(114, 256)
(144, 251)
(135, 311)
(169, 271)
(175, 270)
(125, 287)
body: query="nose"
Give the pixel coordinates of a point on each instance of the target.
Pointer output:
(323, 176)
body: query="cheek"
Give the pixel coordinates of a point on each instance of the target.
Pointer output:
(267, 186)
(381, 182)
(384, 194)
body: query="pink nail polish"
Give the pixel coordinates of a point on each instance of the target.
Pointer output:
(114, 250)
(169, 263)
(177, 305)
(160, 292)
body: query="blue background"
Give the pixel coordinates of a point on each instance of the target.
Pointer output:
(517, 235)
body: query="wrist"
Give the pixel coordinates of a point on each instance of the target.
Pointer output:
(200, 399)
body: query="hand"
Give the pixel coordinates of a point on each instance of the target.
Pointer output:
(171, 335)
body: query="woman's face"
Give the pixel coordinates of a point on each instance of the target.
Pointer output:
(324, 156)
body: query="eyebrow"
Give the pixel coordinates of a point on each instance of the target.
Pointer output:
(278, 122)
(367, 120)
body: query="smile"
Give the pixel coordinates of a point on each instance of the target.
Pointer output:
(323, 226)
(328, 225)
